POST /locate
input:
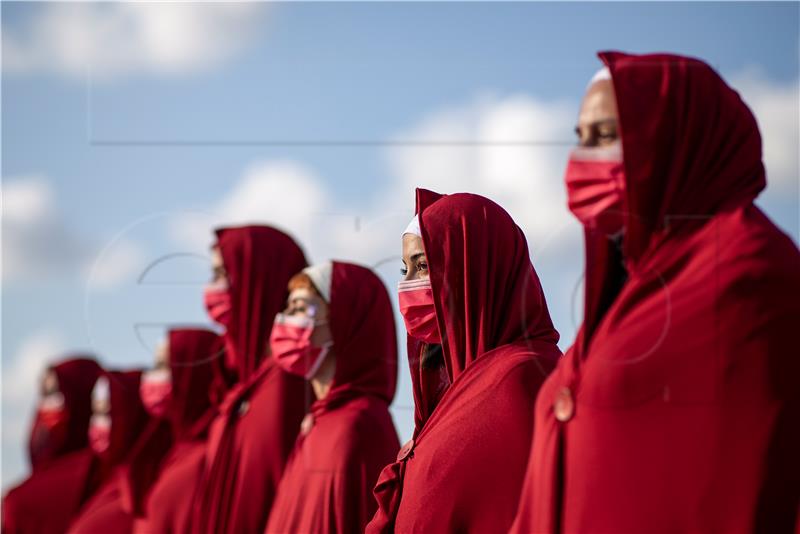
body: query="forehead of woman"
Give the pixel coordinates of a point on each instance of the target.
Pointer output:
(599, 104)
(162, 351)
(49, 381)
(412, 245)
(303, 295)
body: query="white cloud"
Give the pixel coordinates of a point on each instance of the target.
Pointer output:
(117, 38)
(512, 150)
(515, 155)
(22, 373)
(116, 264)
(281, 193)
(776, 106)
(27, 200)
(35, 242)
(20, 377)
(39, 246)
(777, 110)
(292, 197)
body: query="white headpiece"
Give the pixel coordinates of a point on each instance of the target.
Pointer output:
(413, 227)
(101, 390)
(321, 274)
(602, 74)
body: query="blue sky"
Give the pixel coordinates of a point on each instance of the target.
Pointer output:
(130, 130)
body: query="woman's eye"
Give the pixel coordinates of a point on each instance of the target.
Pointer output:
(403, 271)
(422, 266)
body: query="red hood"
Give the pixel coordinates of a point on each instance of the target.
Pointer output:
(362, 324)
(259, 261)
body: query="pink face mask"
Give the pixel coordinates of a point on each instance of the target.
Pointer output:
(52, 411)
(155, 390)
(291, 345)
(595, 181)
(49, 428)
(100, 433)
(416, 307)
(217, 299)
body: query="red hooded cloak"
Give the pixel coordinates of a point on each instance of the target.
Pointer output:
(251, 439)
(103, 512)
(464, 469)
(676, 409)
(166, 505)
(327, 486)
(60, 480)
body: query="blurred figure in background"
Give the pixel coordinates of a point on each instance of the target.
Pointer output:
(61, 461)
(252, 437)
(471, 288)
(177, 392)
(338, 332)
(676, 410)
(118, 419)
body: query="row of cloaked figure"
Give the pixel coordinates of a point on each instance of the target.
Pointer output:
(675, 410)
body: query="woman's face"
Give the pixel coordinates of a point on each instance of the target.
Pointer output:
(415, 264)
(162, 355)
(598, 117)
(101, 403)
(218, 273)
(306, 302)
(49, 383)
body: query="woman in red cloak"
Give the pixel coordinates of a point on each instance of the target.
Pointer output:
(471, 289)
(61, 461)
(177, 392)
(338, 331)
(118, 419)
(676, 410)
(250, 440)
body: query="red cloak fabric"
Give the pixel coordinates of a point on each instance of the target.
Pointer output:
(103, 512)
(164, 504)
(464, 469)
(678, 403)
(327, 486)
(251, 439)
(59, 481)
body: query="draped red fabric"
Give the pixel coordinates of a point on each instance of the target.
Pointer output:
(327, 486)
(58, 482)
(251, 439)
(192, 352)
(678, 403)
(103, 512)
(464, 469)
(76, 378)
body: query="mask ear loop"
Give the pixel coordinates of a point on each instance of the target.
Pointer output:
(322, 355)
(312, 313)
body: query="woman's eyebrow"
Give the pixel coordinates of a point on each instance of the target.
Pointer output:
(302, 300)
(604, 122)
(416, 256)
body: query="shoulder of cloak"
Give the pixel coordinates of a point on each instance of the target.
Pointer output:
(61, 486)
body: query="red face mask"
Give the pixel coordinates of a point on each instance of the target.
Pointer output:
(290, 342)
(595, 180)
(218, 303)
(155, 390)
(100, 433)
(49, 428)
(416, 307)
